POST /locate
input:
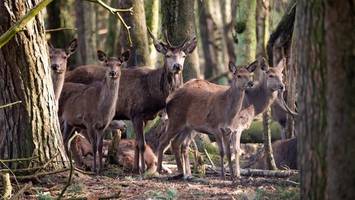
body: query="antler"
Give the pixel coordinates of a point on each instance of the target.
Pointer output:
(152, 36)
(169, 43)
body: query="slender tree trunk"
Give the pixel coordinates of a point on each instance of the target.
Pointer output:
(31, 128)
(262, 14)
(229, 12)
(112, 32)
(86, 24)
(179, 21)
(140, 50)
(340, 52)
(246, 29)
(153, 22)
(309, 53)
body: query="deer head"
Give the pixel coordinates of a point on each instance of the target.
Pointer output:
(242, 77)
(59, 57)
(113, 63)
(174, 56)
(274, 81)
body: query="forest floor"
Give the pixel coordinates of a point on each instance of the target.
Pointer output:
(116, 184)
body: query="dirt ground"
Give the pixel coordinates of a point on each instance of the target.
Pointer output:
(116, 184)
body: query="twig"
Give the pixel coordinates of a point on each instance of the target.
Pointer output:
(36, 176)
(209, 158)
(116, 11)
(20, 25)
(60, 29)
(22, 190)
(19, 159)
(71, 167)
(49, 161)
(10, 104)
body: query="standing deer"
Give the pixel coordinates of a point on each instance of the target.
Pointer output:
(143, 91)
(205, 107)
(59, 60)
(257, 99)
(92, 107)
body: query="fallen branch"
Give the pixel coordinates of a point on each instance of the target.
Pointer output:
(21, 191)
(60, 29)
(20, 25)
(10, 104)
(38, 175)
(209, 158)
(268, 173)
(116, 11)
(19, 159)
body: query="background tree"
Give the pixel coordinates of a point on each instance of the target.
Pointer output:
(179, 22)
(309, 56)
(140, 50)
(338, 28)
(31, 128)
(153, 22)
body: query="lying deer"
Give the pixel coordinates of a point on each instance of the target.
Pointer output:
(257, 99)
(92, 107)
(59, 60)
(143, 91)
(205, 107)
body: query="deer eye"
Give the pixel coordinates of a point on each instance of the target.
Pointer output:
(271, 76)
(169, 55)
(239, 76)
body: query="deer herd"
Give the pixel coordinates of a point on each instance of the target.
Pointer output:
(93, 99)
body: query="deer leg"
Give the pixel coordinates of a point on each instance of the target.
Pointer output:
(140, 140)
(67, 133)
(100, 144)
(185, 152)
(175, 147)
(221, 153)
(93, 141)
(227, 143)
(238, 134)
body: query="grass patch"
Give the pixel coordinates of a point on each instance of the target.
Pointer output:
(281, 193)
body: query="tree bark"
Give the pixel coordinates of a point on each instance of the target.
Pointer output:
(112, 32)
(85, 22)
(139, 50)
(246, 28)
(309, 57)
(153, 22)
(179, 21)
(340, 51)
(31, 128)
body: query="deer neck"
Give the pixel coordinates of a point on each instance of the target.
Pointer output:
(233, 102)
(108, 96)
(164, 82)
(58, 82)
(260, 97)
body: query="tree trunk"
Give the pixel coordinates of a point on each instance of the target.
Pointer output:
(270, 161)
(179, 21)
(85, 22)
(309, 56)
(246, 29)
(340, 52)
(31, 128)
(140, 50)
(229, 14)
(153, 22)
(112, 32)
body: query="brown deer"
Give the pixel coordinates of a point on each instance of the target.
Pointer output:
(91, 107)
(143, 91)
(257, 99)
(58, 61)
(205, 107)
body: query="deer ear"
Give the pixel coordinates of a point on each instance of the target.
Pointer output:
(101, 56)
(160, 47)
(125, 56)
(190, 46)
(71, 47)
(263, 64)
(281, 65)
(252, 66)
(232, 67)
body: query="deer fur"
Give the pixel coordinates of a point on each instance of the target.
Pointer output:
(201, 106)
(143, 91)
(59, 60)
(91, 107)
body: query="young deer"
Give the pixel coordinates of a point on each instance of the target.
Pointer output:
(59, 60)
(91, 107)
(205, 107)
(257, 99)
(143, 91)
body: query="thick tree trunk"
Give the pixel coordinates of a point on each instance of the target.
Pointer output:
(85, 22)
(340, 52)
(309, 56)
(179, 21)
(246, 29)
(140, 50)
(31, 128)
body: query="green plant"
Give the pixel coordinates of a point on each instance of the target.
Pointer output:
(44, 196)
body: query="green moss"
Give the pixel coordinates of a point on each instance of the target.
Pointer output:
(255, 133)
